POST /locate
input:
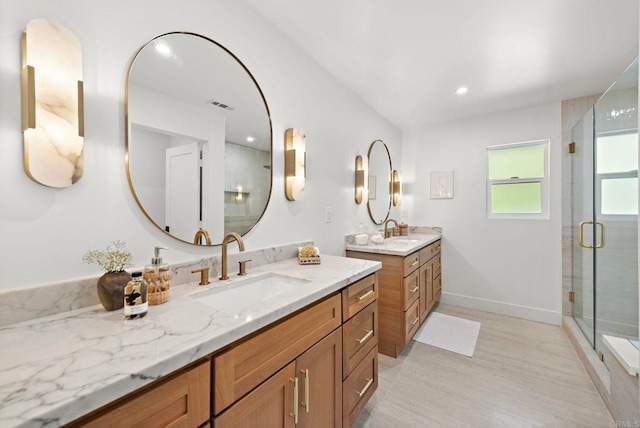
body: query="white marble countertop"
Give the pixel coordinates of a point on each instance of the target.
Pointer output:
(624, 351)
(58, 368)
(398, 245)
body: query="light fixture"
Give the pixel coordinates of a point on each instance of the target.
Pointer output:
(362, 187)
(250, 139)
(462, 90)
(396, 188)
(238, 193)
(52, 104)
(294, 163)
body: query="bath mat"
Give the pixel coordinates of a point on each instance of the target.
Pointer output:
(451, 333)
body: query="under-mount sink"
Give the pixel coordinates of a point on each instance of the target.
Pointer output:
(240, 295)
(403, 239)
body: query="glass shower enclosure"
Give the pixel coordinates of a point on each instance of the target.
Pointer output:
(604, 189)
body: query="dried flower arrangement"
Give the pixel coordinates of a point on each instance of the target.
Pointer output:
(114, 258)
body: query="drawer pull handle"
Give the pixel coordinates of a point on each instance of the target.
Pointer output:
(413, 290)
(415, 262)
(366, 387)
(295, 399)
(365, 295)
(366, 336)
(305, 372)
(415, 321)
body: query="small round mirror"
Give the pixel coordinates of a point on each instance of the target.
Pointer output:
(379, 204)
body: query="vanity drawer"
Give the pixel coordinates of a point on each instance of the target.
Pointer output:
(359, 295)
(359, 336)
(436, 266)
(436, 246)
(411, 321)
(411, 263)
(245, 365)
(359, 386)
(426, 253)
(411, 288)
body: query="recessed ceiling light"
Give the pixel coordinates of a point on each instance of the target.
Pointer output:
(462, 90)
(250, 139)
(163, 49)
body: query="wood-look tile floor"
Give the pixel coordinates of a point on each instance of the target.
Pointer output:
(522, 374)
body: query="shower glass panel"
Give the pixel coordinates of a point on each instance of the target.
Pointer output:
(605, 215)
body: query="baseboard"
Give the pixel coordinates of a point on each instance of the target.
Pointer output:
(510, 309)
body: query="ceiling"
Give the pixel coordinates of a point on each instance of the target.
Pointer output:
(406, 58)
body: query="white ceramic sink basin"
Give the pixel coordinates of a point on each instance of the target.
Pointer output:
(235, 298)
(403, 239)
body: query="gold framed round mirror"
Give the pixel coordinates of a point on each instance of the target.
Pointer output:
(198, 139)
(380, 170)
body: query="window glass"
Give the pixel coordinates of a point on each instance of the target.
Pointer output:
(617, 153)
(519, 161)
(619, 196)
(517, 198)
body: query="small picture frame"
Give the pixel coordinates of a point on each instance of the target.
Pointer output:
(441, 184)
(372, 187)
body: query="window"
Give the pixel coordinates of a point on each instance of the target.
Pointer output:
(517, 185)
(617, 173)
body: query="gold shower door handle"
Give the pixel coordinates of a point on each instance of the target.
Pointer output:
(581, 234)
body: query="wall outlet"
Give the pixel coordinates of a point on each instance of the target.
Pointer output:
(327, 214)
(404, 213)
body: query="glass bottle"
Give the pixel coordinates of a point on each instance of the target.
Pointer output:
(135, 297)
(157, 275)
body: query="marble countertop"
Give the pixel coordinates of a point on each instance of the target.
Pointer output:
(58, 368)
(398, 245)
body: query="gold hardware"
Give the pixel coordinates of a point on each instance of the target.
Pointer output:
(581, 234)
(243, 267)
(366, 387)
(572, 147)
(201, 233)
(204, 275)
(305, 372)
(361, 179)
(415, 321)
(225, 241)
(80, 108)
(415, 263)
(295, 163)
(387, 232)
(295, 399)
(396, 188)
(413, 290)
(601, 356)
(28, 84)
(365, 337)
(572, 296)
(365, 295)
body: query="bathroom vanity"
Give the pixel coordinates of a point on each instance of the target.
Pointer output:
(302, 354)
(410, 285)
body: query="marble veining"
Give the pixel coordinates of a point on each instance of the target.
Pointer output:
(58, 368)
(25, 304)
(397, 245)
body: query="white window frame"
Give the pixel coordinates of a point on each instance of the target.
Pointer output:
(544, 183)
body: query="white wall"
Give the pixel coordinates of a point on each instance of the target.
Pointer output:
(505, 266)
(44, 232)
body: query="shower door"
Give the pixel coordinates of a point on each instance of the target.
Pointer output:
(605, 215)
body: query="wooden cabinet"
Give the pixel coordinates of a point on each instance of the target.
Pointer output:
(182, 400)
(409, 286)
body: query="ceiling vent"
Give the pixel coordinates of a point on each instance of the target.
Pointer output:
(221, 105)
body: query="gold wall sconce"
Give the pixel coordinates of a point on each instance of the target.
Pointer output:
(295, 160)
(52, 104)
(362, 186)
(396, 187)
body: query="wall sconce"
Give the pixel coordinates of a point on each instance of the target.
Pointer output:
(295, 160)
(52, 104)
(396, 187)
(238, 193)
(362, 187)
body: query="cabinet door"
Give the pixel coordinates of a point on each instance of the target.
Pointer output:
(426, 289)
(411, 289)
(319, 372)
(269, 405)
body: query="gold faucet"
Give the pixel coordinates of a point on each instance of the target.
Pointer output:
(199, 234)
(229, 236)
(204, 275)
(387, 233)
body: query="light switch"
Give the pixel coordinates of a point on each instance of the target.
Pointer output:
(328, 214)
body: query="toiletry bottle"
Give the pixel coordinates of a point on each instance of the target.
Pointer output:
(135, 297)
(157, 276)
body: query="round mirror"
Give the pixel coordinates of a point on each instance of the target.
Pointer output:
(380, 169)
(199, 139)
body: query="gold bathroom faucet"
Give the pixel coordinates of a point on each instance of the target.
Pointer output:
(200, 233)
(387, 233)
(229, 236)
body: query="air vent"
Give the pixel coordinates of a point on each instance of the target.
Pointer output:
(220, 104)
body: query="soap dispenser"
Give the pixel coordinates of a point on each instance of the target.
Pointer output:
(157, 276)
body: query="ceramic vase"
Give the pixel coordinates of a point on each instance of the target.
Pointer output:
(111, 289)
